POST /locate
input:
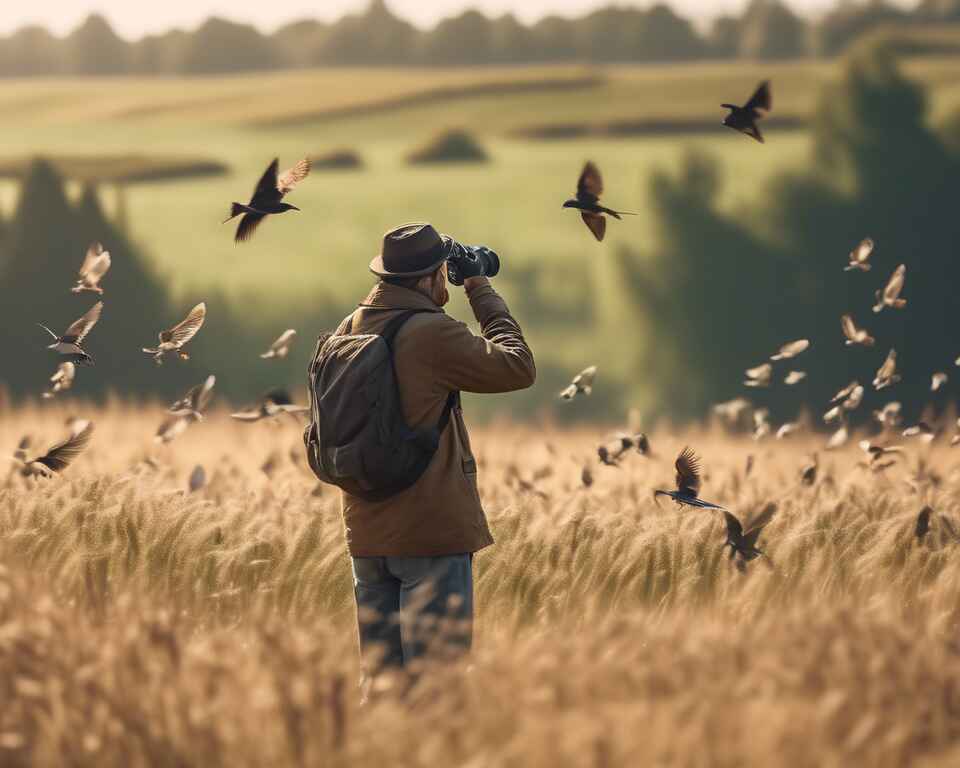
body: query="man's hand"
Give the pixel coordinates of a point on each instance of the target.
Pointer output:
(473, 282)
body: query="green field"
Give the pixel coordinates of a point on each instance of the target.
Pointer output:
(512, 203)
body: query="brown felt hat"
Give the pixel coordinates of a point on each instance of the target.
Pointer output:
(411, 250)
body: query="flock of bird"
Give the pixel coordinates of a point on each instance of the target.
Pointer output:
(68, 346)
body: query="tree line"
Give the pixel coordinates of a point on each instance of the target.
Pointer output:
(767, 29)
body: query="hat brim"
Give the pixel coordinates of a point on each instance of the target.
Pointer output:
(378, 268)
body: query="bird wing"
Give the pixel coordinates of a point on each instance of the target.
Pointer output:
(93, 253)
(596, 224)
(734, 529)
(755, 525)
(285, 339)
(277, 397)
(585, 377)
(753, 131)
(590, 183)
(204, 393)
(762, 98)
(267, 189)
(688, 472)
(78, 331)
(185, 330)
(792, 349)
(99, 267)
(59, 456)
(895, 284)
(247, 226)
(293, 176)
(889, 366)
(861, 253)
(760, 372)
(65, 373)
(253, 414)
(849, 327)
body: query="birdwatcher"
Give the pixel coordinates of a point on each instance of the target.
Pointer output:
(388, 428)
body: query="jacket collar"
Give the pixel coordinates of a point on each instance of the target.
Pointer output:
(387, 296)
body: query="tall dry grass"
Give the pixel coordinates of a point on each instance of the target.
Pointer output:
(142, 625)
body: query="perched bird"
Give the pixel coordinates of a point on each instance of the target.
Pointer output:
(792, 349)
(787, 429)
(838, 439)
(177, 337)
(69, 344)
(94, 267)
(267, 198)
(582, 384)
(62, 380)
(808, 473)
(889, 415)
(192, 405)
(887, 373)
(938, 380)
(273, 403)
(859, 257)
(587, 201)
(744, 119)
(198, 479)
(742, 539)
(855, 335)
(922, 430)
(58, 458)
(171, 428)
(281, 347)
(759, 376)
(923, 523)
(794, 377)
(890, 295)
(688, 482)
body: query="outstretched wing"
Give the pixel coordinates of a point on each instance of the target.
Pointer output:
(267, 190)
(688, 472)
(595, 223)
(77, 332)
(849, 327)
(247, 226)
(93, 255)
(762, 98)
(895, 284)
(889, 366)
(202, 394)
(862, 252)
(181, 333)
(59, 457)
(734, 529)
(293, 176)
(590, 183)
(757, 524)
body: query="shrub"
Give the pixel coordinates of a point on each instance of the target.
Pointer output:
(451, 146)
(337, 159)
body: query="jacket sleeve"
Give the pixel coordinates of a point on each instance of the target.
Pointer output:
(499, 360)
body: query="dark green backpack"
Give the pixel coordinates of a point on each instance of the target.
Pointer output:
(357, 438)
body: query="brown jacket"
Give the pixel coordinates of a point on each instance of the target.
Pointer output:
(435, 355)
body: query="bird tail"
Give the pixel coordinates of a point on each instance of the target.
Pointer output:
(235, 210)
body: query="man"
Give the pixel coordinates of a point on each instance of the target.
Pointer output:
(412, 553)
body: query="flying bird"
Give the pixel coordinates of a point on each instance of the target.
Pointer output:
(792, 349)
(731, 410)
(94, 267)
(834, 414)
(582, 384)
(587, 201)
(860, 256)
(922, 430)
(273, 403)
(759, 376)
(838, 439)
(787, 429)
(69, 344)
(171, 428)
(887, 373)
(611, 452)
(688, 482)
(267, 198)
(889, 415)
(192, 405)
(744, 119)
(794, 377)
(177, 337)
(761, 423)
(876, 451)
(59, 457)
(853, 399)
(281, 347)
(938, 380)
(855, 335)
(844, 393)
(61, 380)
(742, 540)
(890, 295)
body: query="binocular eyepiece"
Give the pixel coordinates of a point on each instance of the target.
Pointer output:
(471, 261)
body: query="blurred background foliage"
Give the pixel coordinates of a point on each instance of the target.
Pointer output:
(738, 248)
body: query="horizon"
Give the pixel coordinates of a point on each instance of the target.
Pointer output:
(132, 22)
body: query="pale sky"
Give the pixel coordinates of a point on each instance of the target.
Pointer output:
(133, 18)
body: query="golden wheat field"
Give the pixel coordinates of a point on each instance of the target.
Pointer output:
(142, 625)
